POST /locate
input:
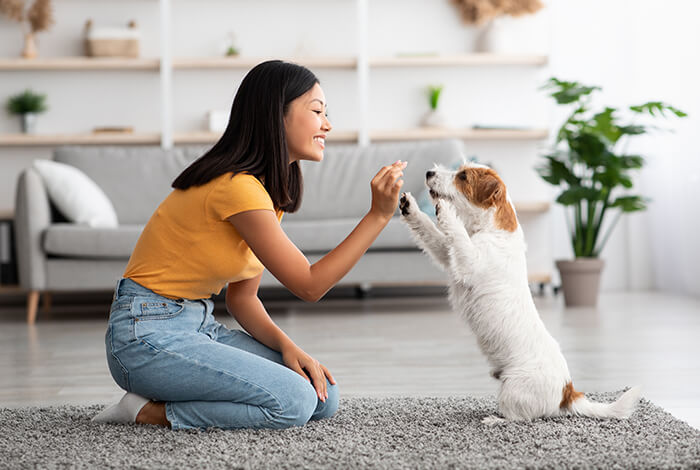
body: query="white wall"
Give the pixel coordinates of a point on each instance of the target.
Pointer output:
(610, 43)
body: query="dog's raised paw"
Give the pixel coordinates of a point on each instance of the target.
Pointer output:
(406, 204)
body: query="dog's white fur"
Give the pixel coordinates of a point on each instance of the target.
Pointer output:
(483, 252)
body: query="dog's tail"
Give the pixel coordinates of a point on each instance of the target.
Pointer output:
(576, 403)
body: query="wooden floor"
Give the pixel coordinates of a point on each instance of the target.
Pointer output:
(389, 346)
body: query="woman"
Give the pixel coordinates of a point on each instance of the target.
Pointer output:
(221, 226)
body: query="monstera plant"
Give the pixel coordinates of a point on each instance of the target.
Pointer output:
(591, 166)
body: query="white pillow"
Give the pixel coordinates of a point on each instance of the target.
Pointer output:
(76, 195)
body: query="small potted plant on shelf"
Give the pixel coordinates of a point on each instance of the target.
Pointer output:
(38, 17)
(592, 170)
(27, 105)
(434, 118)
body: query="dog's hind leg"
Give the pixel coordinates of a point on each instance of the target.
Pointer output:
(428, 237)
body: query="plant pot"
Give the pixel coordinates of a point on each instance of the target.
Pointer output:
(433, 118)
(580, 281)
(28, 123)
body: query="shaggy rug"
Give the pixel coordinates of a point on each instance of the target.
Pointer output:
(365, 433)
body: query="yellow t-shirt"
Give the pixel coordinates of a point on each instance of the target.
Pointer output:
(188, 249)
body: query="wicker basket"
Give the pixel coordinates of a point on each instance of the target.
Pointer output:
(110, 42)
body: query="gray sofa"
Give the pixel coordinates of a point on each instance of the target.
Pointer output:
(54, 255)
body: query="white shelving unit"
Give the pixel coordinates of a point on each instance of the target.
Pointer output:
(166, 65)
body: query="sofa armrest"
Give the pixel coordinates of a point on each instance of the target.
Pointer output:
(32, 218)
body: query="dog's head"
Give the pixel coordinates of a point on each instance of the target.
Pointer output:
(477, 193)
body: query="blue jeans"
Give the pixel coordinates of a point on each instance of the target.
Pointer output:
(174, 351)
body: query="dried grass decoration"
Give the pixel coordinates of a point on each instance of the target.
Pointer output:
(481, 11)
(38, 17)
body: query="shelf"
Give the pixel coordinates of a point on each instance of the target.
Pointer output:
(249, 62)
(539, 278)
(532, 207)
(458, 60)
(80, 63)
(423, 133)
(40, 140)
(206, 137)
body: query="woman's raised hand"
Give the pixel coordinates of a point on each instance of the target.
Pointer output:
(386, 186)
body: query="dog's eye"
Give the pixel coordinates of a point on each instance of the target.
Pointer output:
(462, 175)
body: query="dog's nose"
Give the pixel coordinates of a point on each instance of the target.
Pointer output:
(429, 174)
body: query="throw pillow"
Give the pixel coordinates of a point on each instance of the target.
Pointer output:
(76, 195)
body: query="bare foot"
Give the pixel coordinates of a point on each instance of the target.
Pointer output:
(153, 413)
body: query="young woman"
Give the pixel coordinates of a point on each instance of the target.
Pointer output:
(219, 227)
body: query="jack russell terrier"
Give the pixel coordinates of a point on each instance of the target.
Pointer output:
(479, 243)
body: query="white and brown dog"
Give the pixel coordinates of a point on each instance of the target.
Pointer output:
(479, 243)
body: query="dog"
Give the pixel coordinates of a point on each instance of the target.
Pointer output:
(479, 243)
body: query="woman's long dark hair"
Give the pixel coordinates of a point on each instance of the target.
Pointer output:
(254, 140)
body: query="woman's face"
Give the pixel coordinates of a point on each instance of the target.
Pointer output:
(306, 126)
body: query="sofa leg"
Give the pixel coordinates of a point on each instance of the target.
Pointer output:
(32, 306)
(47, 302)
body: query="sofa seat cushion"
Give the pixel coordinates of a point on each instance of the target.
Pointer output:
(321, 236)
(86, 242)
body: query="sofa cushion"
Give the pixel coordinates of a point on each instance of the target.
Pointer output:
(78, 198)
(136, 179)
(339, 186)
(86, 242)
(313, 236)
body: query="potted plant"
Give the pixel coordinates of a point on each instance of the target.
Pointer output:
(27, 105)
(434, 118)
(593, 173)
(38, 17)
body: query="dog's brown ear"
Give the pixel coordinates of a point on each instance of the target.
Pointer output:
(491, 192)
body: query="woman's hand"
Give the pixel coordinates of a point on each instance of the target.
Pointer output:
(386, 186)
(309, 368)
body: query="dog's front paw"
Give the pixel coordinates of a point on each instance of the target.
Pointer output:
(446, 215)
(408, 205)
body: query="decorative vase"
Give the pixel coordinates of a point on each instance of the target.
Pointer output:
(434, 118)
(29, 123)
(509, 35)
(30, 50)
(580, 281)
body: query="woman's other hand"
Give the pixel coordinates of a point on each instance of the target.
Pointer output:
(386, 186)
(309, 368)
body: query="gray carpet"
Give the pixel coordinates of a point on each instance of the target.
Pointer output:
(365, 433)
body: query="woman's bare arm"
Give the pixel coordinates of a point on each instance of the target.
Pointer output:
(243, 304)
(263, 234)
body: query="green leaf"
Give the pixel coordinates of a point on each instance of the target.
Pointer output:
(577, 194)
(568, 92)
(653, 107)
(555, 171)
(630, 203)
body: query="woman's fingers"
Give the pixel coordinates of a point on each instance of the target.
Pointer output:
(328, 374)
(296, 367)
(318, 379)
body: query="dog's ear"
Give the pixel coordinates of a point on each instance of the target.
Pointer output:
(490, 190)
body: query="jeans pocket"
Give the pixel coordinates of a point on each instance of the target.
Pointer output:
(147, 308)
